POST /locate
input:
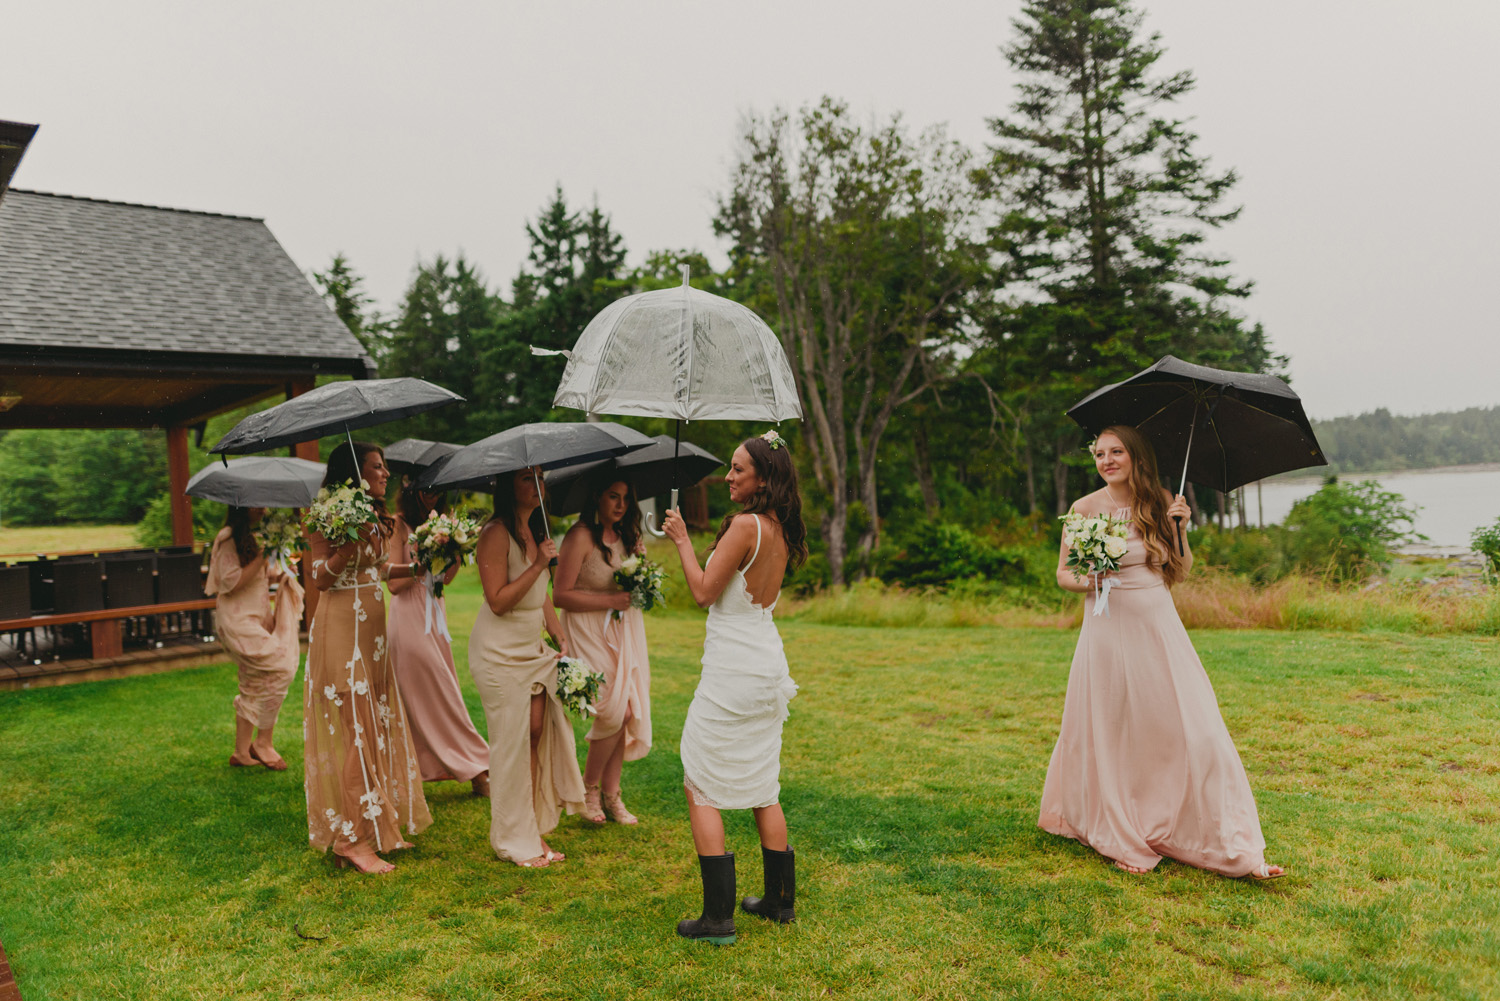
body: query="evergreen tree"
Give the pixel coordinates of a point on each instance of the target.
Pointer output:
(447, 317)
(575, 269)
(1103, 208)
(344, 290)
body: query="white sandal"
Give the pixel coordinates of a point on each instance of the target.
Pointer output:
(1263, 872)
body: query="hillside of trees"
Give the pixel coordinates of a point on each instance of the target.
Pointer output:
(1380, 441)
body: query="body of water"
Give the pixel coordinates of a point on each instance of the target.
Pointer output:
(1451, 502)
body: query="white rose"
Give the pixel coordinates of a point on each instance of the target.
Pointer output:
(1114, 547)
(630, 565)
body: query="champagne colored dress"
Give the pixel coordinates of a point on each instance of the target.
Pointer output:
(448, 746)
(264, 643)
(510, 663)
(363, 785)
(1144, 766)
(731, 740)
(615, 647)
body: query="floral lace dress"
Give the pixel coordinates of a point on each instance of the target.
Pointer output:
(363, 783)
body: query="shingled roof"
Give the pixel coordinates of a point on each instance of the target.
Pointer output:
(93, 289)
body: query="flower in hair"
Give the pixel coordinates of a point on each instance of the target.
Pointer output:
(773, 439)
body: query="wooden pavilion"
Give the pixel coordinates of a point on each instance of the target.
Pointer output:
(135, 316)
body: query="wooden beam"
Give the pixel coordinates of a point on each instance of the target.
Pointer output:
(177, 477)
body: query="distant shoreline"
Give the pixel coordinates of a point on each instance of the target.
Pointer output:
(1305, 477)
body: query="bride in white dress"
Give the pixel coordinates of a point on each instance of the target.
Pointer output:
(731, 741)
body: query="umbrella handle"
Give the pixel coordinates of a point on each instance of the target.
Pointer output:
(651, 517)
(1179, 535)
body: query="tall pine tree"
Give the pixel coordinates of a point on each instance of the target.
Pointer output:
(1103, 209)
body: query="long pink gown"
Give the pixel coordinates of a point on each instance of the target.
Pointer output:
(1144, 766)
(615, 647)
(448, 746)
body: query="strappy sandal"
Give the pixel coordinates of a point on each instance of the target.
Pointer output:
(592, 811)
(617, 812)
(347, 862)
(540, 862)
(1263, 872)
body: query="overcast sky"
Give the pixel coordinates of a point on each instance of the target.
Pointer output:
(1364, 132)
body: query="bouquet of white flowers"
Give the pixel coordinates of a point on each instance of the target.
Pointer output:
(340, 513)
(442, 541)
(280, 539)
(643, 579)
(578, 686)
(1096, 544)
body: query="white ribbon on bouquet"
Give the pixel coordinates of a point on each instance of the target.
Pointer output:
(435, 608)
(1102, 584)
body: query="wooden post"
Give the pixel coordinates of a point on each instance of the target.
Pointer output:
(177, 478)
(305, 450)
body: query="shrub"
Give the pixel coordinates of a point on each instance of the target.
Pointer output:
(934, 554)
(1348, 530)
(1255, 553)
(1486, 542)
(155, 529)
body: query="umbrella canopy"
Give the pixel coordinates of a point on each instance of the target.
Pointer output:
(335, 408)
(649, 470)
(681, 353)
(545, 445)
(412, 455)
(259, 481)
(1226, 429)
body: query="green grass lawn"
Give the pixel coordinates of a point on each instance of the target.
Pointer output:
(136, 864)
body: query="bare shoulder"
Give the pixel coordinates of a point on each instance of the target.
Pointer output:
(493, 533)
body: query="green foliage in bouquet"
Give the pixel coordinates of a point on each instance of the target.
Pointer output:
(578, 686)
(340, 513)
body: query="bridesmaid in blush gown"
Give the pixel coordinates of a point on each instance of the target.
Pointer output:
(264, 643)
(731, 740)
(362, 781)
(448, 746)
(610, 636)
(533, 764)
(1144, 767)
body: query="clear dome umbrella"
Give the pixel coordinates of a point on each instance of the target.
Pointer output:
(680, 353)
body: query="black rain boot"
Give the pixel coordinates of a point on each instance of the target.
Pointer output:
(717, 923)
(781, 887)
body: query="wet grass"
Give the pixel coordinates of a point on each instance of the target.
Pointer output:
(136, 864)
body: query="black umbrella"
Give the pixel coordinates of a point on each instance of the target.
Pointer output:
(1253, 425)
(259, 481)
(335, 408)
(546, 445)
(650, 471)
(412, 455)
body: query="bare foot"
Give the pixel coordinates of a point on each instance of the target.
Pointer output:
(1267, 871)
(369, 864)
(550, 855)
(540, 862)
(1133, 870)
(268, 757)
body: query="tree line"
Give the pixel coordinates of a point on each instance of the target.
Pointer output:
(941, 305)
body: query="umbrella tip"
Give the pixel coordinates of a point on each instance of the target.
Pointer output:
(685, 272)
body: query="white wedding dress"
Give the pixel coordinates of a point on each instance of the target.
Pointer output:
(731, 742)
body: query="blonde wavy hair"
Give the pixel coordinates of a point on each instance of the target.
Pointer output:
(1148, 505)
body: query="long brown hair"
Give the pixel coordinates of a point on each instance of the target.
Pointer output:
(628, 527)
(243, 536)
(345, 466)
(1148, 505)
(504, 494)
(409, 504)
(779, 496)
